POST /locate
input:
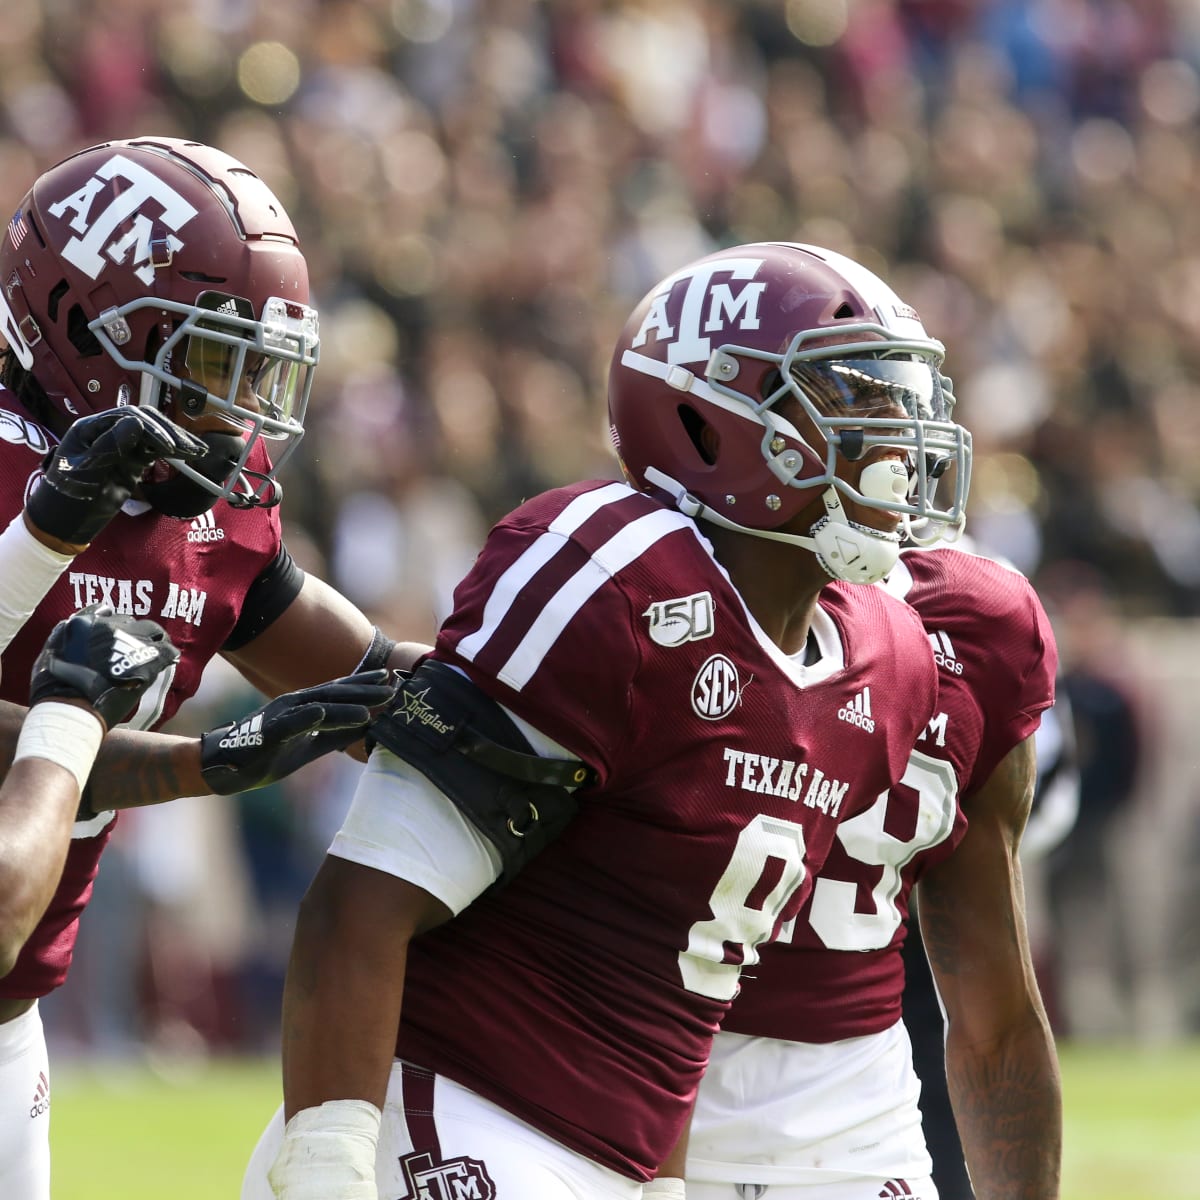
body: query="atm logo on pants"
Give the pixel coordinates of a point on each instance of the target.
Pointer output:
(453, 1179)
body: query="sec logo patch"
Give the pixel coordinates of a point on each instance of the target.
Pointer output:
(716, 689)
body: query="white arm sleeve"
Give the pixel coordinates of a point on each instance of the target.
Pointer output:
(402, 824)
(28, 571)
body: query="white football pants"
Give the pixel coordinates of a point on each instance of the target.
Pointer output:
(439, 1139)
(24, 1109)
(851, 1189)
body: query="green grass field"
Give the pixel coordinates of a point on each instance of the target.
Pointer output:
(1132, 1128)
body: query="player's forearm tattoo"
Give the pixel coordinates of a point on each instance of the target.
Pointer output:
(941, 925)
(1008, 1105)
(938, 925)
(940, 906)
(126, 776)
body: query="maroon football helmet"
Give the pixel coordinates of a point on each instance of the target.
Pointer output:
(719, 344)
(132, 259)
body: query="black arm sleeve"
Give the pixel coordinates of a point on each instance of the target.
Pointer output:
(378, 652)
(467, 746)
(266, 599)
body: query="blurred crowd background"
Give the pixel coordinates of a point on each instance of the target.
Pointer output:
(484, 188)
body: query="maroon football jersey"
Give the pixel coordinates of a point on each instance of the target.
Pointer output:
(189, 576)
(996, 658)
(583, 997)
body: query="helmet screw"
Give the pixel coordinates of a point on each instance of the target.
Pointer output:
(777, 444)
(731, 500)
(93, 385)
(774, 503)
(791, 460)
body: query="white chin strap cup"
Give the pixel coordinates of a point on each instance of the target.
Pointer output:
(849, 551)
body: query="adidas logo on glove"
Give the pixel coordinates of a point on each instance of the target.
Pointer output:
(128, 653)
(248, 733)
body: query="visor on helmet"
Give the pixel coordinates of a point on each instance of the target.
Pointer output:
(229, 351)
(873, 387)
(256, 372)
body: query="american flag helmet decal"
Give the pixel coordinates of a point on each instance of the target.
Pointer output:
(17, 229)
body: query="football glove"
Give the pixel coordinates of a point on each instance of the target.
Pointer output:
(291, 731)
(104, 658)
(94, 469)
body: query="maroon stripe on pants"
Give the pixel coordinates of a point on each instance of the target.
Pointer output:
(417, 1086)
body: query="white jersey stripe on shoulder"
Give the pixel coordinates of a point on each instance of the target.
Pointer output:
(899, 580)
(540, 552)
(618, 552)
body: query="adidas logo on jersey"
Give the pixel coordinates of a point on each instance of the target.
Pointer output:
(943, 652)
(248, 733)
(898, 1189)
(127, 653)
(858, 711)
(205, 529)
(41, 1097)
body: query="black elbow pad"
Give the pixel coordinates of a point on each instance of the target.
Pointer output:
(467, 746)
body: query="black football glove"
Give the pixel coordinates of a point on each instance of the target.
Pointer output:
(93, 470)
(291, 731)
(103, 658)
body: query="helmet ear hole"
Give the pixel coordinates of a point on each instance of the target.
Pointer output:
(80, 336)
(54, 299)
(701, 434)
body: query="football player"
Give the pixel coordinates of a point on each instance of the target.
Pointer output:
(811, 1090)
(91, 674)
(1052, 813)
(149, 286)
(665, 657)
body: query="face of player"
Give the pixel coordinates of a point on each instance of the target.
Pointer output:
(214, 366)
(872, 389)
(850, 469)
(235, 374)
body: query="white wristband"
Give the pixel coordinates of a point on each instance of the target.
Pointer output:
(28, 570)
(64, 734)
(665, 1187)
(328, 1153)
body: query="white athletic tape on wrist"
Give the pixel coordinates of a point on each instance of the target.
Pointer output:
(64, 734)
(28, 570)
(328, 1153)
(665, 1189)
